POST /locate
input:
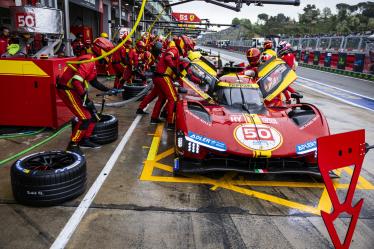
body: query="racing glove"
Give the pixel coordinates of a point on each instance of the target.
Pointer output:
(95, 83)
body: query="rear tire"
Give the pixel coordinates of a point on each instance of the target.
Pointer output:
(106, 130)
(48, 178)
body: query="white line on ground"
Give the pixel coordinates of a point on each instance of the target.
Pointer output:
(332, 96)
(334, 87)
(70, 227)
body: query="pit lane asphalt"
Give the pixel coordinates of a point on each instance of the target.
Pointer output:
(141, 206)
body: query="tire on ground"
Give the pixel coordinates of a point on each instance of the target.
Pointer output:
(106, 130)
(131, 91)
(48, 178)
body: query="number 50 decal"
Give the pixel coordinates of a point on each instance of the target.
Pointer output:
(25, 20)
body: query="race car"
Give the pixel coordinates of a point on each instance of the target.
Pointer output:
(224, 125)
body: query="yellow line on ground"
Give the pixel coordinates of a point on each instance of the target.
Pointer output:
(362, 182)
(227, 177)
(155, 143)
(163, 167)
(325, 202)
(145, 147)
(164, 154)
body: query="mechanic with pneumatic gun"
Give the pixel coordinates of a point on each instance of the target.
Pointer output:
(168, 71)
(73, 90)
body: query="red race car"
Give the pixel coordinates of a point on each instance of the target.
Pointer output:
(224, 125)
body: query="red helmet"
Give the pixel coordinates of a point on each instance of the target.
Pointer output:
(129, 41)
(265, 57)
(101, 45)
(268, 44)
(140, 46)
(253, 56)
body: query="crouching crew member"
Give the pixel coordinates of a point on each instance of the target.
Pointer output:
(72, 89)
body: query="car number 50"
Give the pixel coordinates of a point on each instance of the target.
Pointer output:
(25, 20)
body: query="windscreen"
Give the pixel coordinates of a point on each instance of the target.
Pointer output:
(238, 96)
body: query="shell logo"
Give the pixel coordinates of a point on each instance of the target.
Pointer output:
(258, 137)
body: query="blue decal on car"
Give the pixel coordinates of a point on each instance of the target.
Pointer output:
(207, 142)
(306, 147)
(176, 163)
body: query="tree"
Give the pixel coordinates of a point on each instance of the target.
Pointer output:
(326, 13)
(235, 21)
(263, 17)
(310, 15)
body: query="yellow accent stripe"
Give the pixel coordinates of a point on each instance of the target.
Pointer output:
(21, 67)
(78, 77)
(74, 139)
(237, 85)
(250, 118)
(171, 87)
(76, 106)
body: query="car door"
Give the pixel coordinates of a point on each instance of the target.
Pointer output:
(275, 77)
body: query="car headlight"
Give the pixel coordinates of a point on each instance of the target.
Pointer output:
(193, 147)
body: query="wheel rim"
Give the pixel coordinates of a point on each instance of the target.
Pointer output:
(46, 162)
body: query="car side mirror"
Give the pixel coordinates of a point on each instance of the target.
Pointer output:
(297, 96)
(182, 90)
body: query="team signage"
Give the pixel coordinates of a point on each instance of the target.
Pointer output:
(185, 17)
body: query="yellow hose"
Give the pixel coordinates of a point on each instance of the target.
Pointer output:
(141, 11)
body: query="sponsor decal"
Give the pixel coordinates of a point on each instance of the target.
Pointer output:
(237, 118)
(176, 163)
(306, 147)
(266, 120)
(206, 142)
(258, 137)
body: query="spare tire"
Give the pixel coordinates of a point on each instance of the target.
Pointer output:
(105, 131)
(48, 178)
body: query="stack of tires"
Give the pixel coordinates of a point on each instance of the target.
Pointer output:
(106, 130)
(133, 90)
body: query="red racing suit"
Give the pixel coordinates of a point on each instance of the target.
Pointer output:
(72, 89)
(4, 42)
(290, 60)
(124, 62)
(166, 72)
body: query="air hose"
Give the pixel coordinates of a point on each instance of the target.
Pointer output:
(141, 11)
(4, 161)
(22, 134)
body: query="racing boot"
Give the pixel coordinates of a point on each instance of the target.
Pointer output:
(87, 143)
(156, 121)
(141, 111)
(171, 127)
(74, 147)
(164, 114)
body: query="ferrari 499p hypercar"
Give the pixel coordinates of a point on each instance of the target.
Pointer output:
(225, 125)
